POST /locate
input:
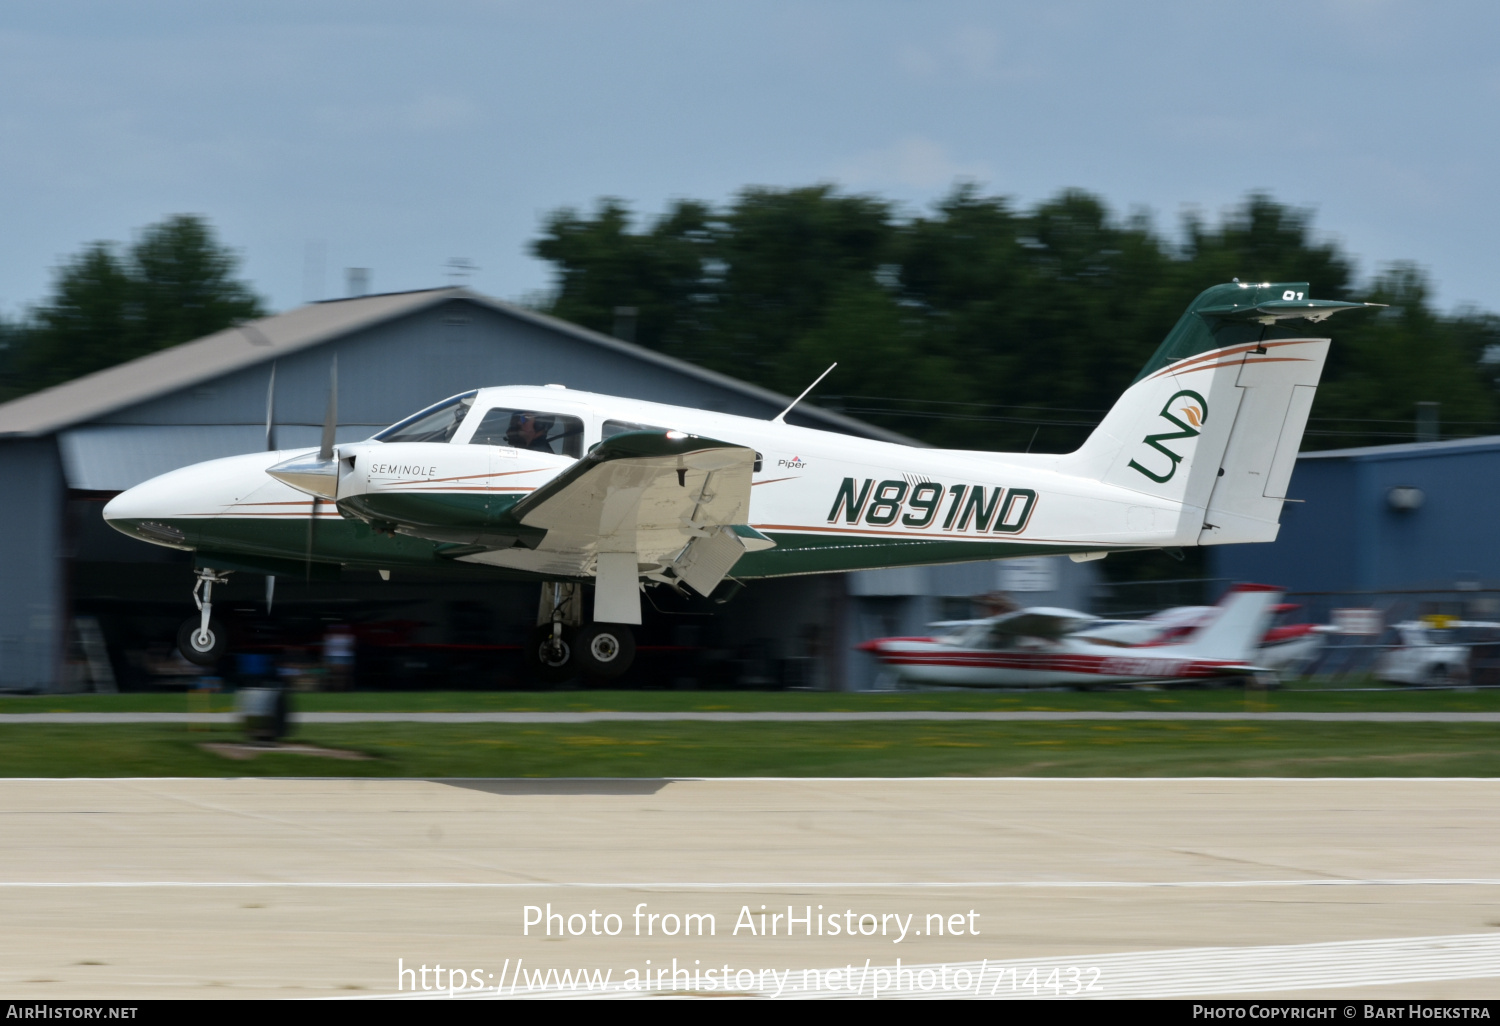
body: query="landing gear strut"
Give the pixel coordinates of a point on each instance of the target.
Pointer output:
(202, 640)
(562, 646)
(549, 654)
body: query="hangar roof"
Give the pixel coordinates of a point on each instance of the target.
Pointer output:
(1375, 452)
(183, 366)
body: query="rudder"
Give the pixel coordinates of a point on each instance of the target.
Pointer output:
(1216, 418)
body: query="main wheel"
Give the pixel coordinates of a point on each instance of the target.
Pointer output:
(605, 649)
(552, 660)
(199, 648)
(1444, 675)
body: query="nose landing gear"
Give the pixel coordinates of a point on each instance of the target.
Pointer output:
(549, 653)
(202, 640)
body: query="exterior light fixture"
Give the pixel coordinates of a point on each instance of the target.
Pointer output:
(1405, 499)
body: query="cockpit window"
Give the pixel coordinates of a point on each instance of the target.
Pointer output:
(534, 430)
(619, 427)
(435, 424)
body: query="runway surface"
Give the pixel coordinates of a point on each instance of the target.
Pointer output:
(136, 888)
(103, 719)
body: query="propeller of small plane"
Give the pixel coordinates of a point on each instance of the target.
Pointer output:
(316, 475)
(325, 451)
(271, 447)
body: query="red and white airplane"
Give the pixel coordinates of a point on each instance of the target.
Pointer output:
(1049, 647)
(1287, 649)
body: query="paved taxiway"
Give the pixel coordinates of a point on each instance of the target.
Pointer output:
(135, 888)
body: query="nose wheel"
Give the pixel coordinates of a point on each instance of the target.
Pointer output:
(550, 654)
(202, 640)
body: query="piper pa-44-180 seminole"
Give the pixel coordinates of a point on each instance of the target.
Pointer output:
(571, 489)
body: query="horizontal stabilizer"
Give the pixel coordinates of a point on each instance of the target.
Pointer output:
(1271, 311)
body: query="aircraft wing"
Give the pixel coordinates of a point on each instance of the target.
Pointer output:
(645, 501)
(1042, 622)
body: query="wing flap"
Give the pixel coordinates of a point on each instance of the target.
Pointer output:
(707, 560)
(665, 498)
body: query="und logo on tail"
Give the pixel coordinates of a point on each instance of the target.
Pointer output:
(1189, 411)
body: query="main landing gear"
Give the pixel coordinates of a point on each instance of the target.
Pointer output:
(202, 640)
(562, 646)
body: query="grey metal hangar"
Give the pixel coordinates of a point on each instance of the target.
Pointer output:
(86, 607)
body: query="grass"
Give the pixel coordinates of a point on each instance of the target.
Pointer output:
(1301, 697)
(1159, 749)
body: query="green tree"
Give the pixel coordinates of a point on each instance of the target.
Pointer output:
(729, 290)
(981, 325)
(784, 259)
(1049, 314)
(604, 266)
(174, 284)
(1382, 365)
(185, 285)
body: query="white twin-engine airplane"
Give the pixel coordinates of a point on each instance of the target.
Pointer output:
(571, 488)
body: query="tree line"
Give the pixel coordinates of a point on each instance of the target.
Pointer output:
(111, 303)
(983, 325)
(977, 324)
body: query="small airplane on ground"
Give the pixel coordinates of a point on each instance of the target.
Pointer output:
(1286, 650)
(1051, 647)
(572, 489)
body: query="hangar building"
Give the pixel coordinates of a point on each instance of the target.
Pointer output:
(79, 598)
(1414, 519)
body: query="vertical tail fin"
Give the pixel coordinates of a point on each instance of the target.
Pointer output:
(1215, 419)
(1236, 630)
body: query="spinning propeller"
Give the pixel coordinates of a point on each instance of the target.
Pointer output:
(325, 454)
(271, 447)
(316, 474)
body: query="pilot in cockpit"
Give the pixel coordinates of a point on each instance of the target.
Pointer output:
(529, 431)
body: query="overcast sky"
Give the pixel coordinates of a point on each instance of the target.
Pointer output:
(321, 135)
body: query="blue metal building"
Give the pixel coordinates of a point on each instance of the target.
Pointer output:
(1410, 518)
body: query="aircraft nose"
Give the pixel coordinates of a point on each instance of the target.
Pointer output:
(153, 498)
(125, 506)
(140, 512)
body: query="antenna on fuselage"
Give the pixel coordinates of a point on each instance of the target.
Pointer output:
(780, 418)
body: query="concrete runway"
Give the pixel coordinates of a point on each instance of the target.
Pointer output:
(137, 888)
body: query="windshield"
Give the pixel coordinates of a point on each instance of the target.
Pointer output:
(434, 424)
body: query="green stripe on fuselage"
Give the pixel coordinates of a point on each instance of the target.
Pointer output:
(470, 510)
(355, 544)
(812, 553)
(351, 542)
